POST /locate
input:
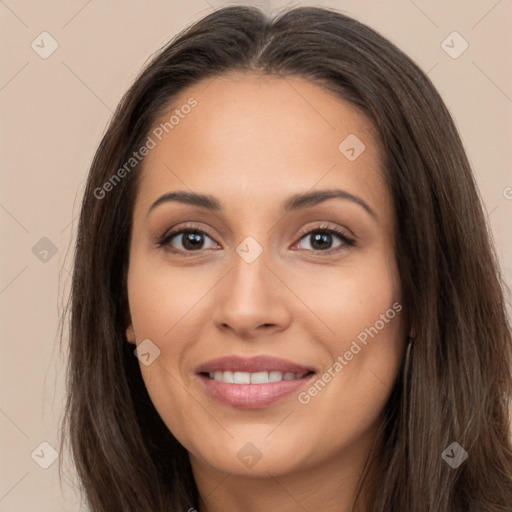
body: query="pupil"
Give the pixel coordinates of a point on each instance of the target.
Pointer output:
(321, 240)
(193, 241)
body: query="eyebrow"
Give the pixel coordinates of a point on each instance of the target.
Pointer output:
(293, 203)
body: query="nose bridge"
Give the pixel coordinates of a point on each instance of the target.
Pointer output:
(249, 296)
(250, 258)
(249, 278)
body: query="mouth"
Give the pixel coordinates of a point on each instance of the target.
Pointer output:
(252, 383)
(264, 377)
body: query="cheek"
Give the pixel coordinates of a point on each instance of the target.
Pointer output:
(167, 306)
(162, 298)
(361, 306)
(163, 308)
(351, 299)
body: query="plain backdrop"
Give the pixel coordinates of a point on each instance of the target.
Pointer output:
(54, 108)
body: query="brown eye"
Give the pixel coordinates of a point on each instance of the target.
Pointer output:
(187, 240)
(321, 239)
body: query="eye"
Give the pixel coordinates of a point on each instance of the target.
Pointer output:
(321, 239)
(186, 239)
(189, 239)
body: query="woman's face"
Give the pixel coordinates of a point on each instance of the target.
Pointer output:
(262, 285)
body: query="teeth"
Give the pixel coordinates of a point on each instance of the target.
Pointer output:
(259, 378)
(241, 378)
(275, 376)
(253, 378)
(227, 377)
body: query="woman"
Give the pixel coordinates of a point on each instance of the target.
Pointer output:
(281, 224)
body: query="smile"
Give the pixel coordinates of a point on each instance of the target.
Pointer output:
(253, 378)
(252, 383)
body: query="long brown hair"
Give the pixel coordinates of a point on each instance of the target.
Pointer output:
(457, 383)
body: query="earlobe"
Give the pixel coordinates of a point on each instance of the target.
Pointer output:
(130, 334)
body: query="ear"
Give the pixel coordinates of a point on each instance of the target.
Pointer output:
(130, 334)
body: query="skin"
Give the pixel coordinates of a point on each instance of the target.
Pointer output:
(252, 142)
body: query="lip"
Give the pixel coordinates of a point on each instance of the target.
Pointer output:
(252, 396)
(252, 364)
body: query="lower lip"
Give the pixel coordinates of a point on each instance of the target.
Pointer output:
(252, 396)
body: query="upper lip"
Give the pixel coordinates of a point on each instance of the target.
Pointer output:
(252, 364)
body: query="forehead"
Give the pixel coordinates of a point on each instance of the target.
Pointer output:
(262, 137)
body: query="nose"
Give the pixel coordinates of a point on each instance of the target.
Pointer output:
(251, 300)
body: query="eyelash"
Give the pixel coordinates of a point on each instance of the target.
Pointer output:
(164, 241)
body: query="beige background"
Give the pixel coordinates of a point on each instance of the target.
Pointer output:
(53, 112)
